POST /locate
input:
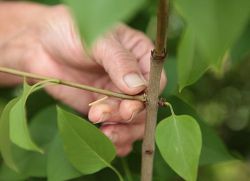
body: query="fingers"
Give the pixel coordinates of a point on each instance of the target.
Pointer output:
(140, 46)
(121, 65)
(123, 135)
(115, 111)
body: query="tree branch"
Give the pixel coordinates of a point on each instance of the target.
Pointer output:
(157, 59)
(141, 97)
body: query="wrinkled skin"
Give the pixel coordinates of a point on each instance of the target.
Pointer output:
(50, 45)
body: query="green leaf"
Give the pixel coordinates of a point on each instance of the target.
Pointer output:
(216, 24)
(28, 163)
(5, 142)
(170, 67)
(87, 148)
(58, 166)
(95, 17)
(45, 121)
(241, 49)
(213, 149)
(19, 132)
(191, 64)
(42, 129)
(179, 141)
(7, 174)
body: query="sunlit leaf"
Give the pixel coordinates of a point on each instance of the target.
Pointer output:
(85, 145)
(179, 141)
(95, 17)
(5, 142)
(58, 166)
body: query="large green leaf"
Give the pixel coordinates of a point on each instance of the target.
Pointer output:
(179, 141)
(58, 166)
(95, 16)
(87, 148)
(5, 142)
(216, 24)
(19, 132)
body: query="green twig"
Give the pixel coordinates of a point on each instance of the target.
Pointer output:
(140, 97)
(170, 107)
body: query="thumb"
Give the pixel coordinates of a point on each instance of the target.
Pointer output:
(121, 65)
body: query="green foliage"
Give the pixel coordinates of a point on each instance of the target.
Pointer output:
(179, 141)
(33, 164)
(58, 166)
(191, 64)
(95, 17)
(242, 47)
(5, 143)
(19, 133)
(87, 148)
(213, 149)
(213, 26)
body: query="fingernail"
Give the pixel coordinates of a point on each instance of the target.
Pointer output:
(109, 123)
(104, 117)
(134, 80)
(134, 114)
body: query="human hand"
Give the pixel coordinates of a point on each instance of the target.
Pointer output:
(118, 61)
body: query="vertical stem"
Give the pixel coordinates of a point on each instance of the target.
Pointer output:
(127, 171)
(162, 23)
(157, 59)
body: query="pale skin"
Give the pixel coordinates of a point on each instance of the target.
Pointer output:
(43, 40)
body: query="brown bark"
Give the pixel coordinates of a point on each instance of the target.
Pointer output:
(157, 59)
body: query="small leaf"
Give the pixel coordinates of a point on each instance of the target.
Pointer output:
(5, 142)
(58, 166)
(87, 148)
(213, 149)
(95, 17)
(179, 141)
(19, 132)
